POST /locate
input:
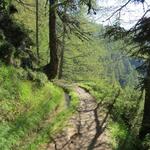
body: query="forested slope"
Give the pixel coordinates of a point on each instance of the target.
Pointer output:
(35, 110)
(93, 57)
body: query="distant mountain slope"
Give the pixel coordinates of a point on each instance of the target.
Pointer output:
(98, 58)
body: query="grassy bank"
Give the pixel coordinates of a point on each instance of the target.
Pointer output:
(31, 110)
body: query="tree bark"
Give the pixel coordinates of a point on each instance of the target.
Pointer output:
(145, 128)
(52, 68)
(62, 54)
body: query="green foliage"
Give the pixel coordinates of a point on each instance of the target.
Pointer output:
(39, 77)
(97, 58)
(30, 107)
(123, 138)
(74, 100)
(15, 40)
(24, 105)
(57, 123)
(118, 132)
(9, 83)
(146, 142)
(126, 104)
(33, 109)
(102, 90)
(126, 113)
(27, 16)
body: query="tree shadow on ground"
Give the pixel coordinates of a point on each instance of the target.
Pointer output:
(101, 125)
(90, 124)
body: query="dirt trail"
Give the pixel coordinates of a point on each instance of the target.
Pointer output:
(86, 129)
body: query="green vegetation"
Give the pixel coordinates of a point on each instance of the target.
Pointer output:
(33, 108)
(29, 108)
(125, 114)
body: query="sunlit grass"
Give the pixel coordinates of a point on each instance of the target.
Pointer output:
(26, 106)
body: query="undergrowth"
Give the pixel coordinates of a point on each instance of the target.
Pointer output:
(31, 110)
(124, 124)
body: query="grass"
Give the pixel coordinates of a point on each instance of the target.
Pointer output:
(56, 125)
(100, 89)
(123, 125)
(118, 133)
(31, 113)
(123, 138)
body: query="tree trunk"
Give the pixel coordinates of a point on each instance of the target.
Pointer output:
(62, 54)
(37, 29)
(145, 128)
(51, 68)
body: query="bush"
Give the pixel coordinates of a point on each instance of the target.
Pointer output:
(118, 132)
(146, 142)
(9, 83)
(126, 114)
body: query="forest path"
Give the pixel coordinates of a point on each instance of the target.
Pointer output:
(86, 129)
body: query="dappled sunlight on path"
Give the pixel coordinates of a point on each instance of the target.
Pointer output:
(86, 130)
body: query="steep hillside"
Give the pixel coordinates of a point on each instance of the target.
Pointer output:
(94, 105)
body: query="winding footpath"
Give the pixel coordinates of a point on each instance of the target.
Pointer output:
(86, 129)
